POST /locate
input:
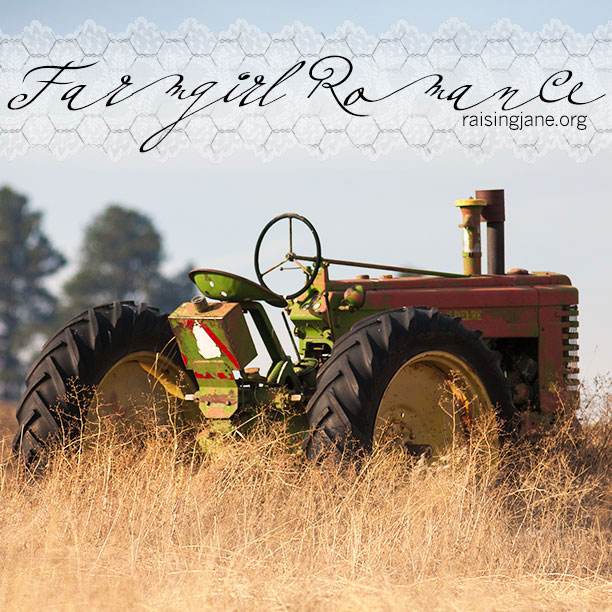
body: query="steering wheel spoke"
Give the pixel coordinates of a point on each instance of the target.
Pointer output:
(276, 266)
(297, 261)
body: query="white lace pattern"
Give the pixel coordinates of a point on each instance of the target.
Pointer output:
(504, 55)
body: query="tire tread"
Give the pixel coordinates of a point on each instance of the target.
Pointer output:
(351, 378)
(75, 359)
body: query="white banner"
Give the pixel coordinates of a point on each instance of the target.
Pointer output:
(158, 92)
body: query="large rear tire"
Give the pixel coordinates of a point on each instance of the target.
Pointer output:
(413, 375)
(109, 360)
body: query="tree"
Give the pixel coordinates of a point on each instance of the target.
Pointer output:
(26, 259)
(171, 291)
(120, 259)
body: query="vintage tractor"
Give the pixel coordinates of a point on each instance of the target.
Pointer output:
(418, 357)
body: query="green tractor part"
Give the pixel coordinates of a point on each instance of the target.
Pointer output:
(420, 358)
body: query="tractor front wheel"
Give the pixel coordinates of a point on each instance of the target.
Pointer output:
(114, 362)
(413, 376)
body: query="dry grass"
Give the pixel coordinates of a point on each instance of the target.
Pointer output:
(8, 426)
(144, 525)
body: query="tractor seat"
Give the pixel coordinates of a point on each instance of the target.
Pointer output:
(232, 288)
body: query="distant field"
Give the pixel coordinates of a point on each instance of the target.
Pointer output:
(146, 524)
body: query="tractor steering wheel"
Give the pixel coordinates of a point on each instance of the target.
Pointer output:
(291, 257)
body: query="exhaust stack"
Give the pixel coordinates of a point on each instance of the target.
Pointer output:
(471, 210)
(494, 213)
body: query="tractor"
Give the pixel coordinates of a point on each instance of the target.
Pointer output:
(417, 357)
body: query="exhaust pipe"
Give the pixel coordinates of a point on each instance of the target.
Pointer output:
(494, 213)
(471, 211)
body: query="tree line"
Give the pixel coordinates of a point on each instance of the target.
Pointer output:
(119, 258)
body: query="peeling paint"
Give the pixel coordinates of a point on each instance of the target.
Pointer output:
(206, 345)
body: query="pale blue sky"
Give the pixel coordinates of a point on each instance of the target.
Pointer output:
(559, 212)
(64, 15)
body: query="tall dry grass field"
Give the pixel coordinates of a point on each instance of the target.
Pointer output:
(8, 426)
(145, 524)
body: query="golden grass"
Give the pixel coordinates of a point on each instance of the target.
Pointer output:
(144, 524)
(8, 426)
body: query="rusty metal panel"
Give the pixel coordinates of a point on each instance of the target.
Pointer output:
(558, 346)
(225, 327)
(550, 358)
(493, 322)
(422, 282)
(461, 298)
(218, 391)
(214, 342)
(557, 294)
(499, 322)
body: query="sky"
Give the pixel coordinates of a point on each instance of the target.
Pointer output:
(398, 209)
(64, 15)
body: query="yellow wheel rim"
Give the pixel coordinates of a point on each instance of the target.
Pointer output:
(140, 388)
(432, 401)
